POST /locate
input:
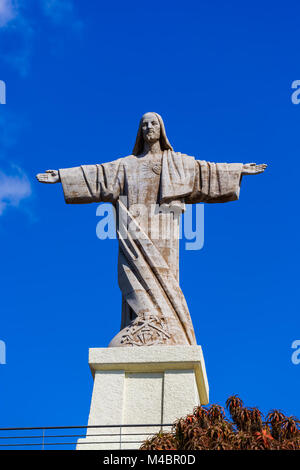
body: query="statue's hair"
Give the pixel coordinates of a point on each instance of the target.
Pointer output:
(139, 142)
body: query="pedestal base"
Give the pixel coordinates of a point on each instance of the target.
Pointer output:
(142, 385)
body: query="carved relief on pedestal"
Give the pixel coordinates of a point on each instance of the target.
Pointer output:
(146, 329)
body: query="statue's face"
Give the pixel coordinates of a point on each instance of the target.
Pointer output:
(150, 128)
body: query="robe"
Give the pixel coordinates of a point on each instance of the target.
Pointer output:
(149, 194)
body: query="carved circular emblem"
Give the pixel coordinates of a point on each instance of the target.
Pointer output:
(156, 168)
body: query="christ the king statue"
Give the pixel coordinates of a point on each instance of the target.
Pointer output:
(154, 310)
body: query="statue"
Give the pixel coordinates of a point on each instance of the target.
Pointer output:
(154, 310)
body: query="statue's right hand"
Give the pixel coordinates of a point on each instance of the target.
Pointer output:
(50, 177)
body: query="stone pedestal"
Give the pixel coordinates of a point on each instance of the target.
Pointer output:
(142, 385)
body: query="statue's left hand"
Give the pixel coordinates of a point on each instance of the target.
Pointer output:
(50, 177)
(253, 168)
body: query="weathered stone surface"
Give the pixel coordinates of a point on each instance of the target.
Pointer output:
(154, 310)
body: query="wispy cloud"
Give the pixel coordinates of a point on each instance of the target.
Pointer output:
(16, 34)
(14, 188)
(8, 11)
(16, 44)
(61, 12)
(18, 26)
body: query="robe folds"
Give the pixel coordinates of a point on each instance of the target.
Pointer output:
(154, 310)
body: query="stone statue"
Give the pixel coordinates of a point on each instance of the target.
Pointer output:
(154, 310)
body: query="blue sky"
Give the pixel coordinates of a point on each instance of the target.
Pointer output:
(79, 75)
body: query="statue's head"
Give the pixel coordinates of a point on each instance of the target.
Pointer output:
(151, 129)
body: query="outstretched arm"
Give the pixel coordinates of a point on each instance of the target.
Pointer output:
(220, 182)
(87, 183)
(79, 183)
(50, 177)
(253, 168)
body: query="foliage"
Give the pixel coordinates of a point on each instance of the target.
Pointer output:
(208, 428)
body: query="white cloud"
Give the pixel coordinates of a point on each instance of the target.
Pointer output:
(8, 11)
(13, 189)
(16, 34)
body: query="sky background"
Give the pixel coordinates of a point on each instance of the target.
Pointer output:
(79, 75)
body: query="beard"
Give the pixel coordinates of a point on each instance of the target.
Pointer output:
(151, 137)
